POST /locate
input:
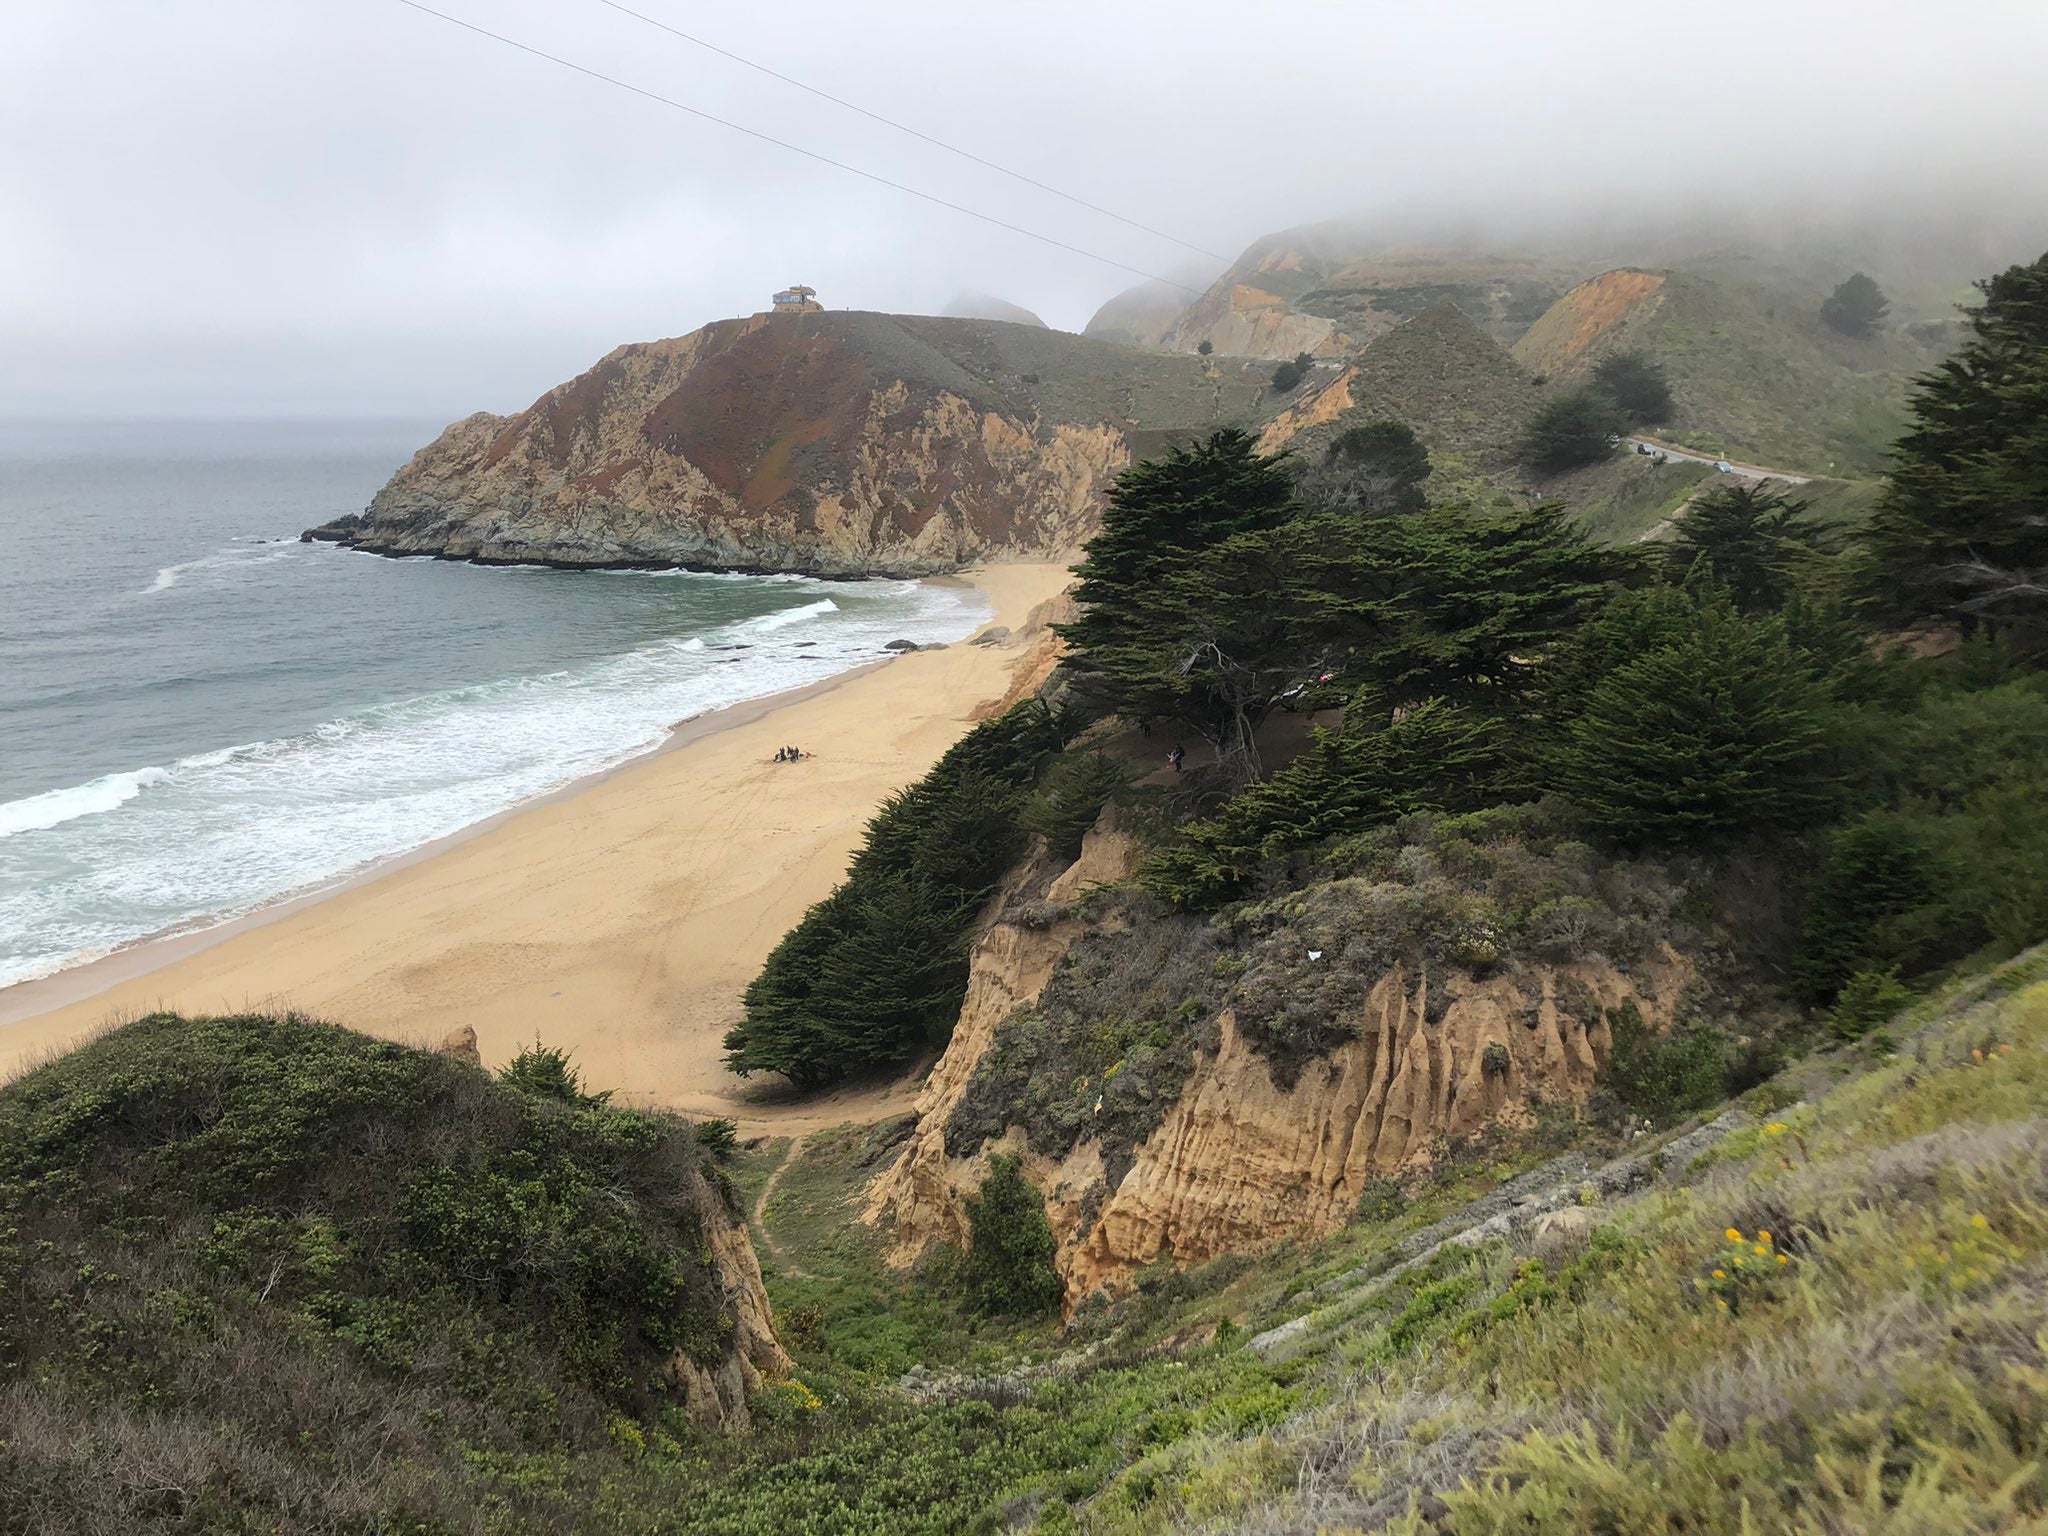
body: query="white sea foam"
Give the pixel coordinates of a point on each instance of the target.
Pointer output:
(224, 832)
(783, 618)
(38, 813)
(239, 557)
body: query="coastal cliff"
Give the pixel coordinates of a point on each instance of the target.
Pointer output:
(1231, 1135)
(834, 444)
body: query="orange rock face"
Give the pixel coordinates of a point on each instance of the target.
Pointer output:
(1238, 1160)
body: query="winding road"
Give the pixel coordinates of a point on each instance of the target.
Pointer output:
(1739, 470)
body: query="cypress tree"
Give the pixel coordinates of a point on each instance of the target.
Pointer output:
(1009, 1269)
(1748, 539)
(1962, 530)
(1718, 734)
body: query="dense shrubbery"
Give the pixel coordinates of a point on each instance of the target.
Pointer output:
(260, 1257)
(1008, 1270)
(874, 972)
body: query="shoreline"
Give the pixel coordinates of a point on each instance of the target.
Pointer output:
(136, 958)
(618, 916)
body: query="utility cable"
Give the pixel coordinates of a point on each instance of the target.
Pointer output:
(798, 149)
(890, 122)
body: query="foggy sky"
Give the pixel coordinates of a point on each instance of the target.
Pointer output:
(344, 206)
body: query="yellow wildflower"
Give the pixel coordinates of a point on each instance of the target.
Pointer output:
(1763, 1237)
(1732, 1235)
(1761, 1249)
(1721, 1304)
(1979, 1221)
(1720, 1274)
(1783, 1260)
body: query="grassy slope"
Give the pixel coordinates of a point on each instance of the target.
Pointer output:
(1890, 1375)
(271, 1274)
(1755, 374)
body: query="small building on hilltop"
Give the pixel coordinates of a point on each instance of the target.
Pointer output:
(797, 300)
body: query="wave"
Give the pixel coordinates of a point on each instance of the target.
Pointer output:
(239, 555)
(55, 807)
(788, 616)
(228, 831)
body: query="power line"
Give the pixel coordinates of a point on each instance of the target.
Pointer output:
(890, 122)
(796, 149)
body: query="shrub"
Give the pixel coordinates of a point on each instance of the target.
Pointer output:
(1663, 1077)
(1869, 998)
(542, 1072)
(1009, 1269)
(721, 1138)
(1205, 346)
(1494, 1061)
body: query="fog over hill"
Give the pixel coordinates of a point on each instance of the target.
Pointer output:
(241, 208)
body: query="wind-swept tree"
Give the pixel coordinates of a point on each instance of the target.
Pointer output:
(1573, 430)
(1856, 308)
(1635, 384)
(1962, 530)
(1379, 467)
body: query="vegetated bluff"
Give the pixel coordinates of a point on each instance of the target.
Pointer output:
(837, 444)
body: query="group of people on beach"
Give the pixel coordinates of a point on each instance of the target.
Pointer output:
(790, 755)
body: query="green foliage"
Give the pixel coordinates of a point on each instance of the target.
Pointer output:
(1289, 374)
(1009, 1268)
(1663, 1077)
(313, 1252)
(1380, 467)
(543, 1072)
(1204, 347)
(1962, 531)
(1436, 756)
(1747, 539)
(1076, 786)
(875, 972)
(1572, 430)
(1868, 999)
(1879, 871)
(1856, 308)
(1719, 733)
(1635, 384)
(720, 1137)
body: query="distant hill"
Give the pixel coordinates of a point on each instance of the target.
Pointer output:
(1439, 372)
(1754, 372)
(984, 306)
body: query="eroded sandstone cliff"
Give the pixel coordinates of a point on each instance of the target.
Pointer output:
(1260, 1134)
(838, 444)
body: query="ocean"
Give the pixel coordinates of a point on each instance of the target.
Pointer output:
(200, 716)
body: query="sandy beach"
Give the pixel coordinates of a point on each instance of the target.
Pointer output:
(620, 919)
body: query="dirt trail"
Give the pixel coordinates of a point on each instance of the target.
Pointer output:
(796, 1147)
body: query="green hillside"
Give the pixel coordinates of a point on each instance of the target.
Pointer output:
(267, 1274)
(1754, 373)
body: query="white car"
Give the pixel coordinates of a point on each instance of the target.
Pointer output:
(1722, 466)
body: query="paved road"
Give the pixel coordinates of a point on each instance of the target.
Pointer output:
(1740, 471)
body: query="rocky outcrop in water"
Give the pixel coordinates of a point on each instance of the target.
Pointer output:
(836, 444)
